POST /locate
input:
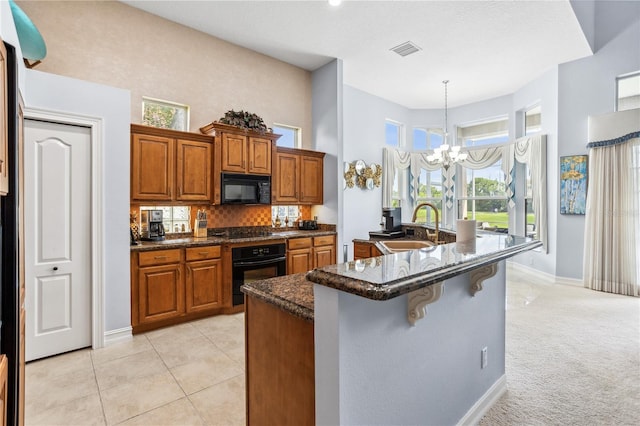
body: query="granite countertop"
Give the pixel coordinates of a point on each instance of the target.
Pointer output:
(218, 240)
(291, 293)
(386, 277)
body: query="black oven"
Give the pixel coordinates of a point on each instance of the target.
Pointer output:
(256, 263)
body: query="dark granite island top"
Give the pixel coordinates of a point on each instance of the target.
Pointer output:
(327, 339)
(386, 277)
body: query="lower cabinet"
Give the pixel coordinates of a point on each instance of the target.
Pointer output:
(203, 280)
(299, 255)
(363, 250)
(304, 254)
(172, 286)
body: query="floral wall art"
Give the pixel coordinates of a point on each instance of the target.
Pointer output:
(573, 184)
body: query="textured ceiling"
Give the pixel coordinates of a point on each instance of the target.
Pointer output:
(485, 48)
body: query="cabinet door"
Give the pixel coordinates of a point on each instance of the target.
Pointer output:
(285, 180)
(299, 261)
(234, 153)
(311, 169)
(323, 256)
(259, 156)
(194, 171)
(361, 250)
(152, 163)
(161, 292)
(204, 285)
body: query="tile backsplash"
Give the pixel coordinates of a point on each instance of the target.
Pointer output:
(227, 216)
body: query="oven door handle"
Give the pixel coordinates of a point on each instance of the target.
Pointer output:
(260, 262)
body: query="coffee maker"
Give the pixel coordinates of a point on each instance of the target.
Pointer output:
(151, 227)
(391, 224)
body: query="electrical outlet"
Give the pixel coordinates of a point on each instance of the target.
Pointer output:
(410, 231)
(483, 362)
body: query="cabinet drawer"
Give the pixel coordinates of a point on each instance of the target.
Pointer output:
(158, 257)
(324, 240)
(298, 243)
(201, 253)
(361, 251)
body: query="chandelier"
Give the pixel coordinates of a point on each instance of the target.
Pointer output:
(444, 154)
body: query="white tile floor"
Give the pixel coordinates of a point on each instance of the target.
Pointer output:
(189, 374)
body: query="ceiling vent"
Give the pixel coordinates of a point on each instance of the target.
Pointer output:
(406, 48)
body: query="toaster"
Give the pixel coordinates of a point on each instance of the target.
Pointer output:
(308, 225)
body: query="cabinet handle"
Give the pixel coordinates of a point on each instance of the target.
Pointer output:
(188, 272)
(203, 253)
(178, 272)
(160, 257)
(180, 191)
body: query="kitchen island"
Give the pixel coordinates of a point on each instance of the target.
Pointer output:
(416, 337)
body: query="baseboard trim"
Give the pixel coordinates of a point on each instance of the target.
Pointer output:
(117, 335)
(557, 280)
(490, 397)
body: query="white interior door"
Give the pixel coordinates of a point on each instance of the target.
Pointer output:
(58, 237)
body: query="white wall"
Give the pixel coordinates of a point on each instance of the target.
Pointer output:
(364, 138)
(587, 87)
(112, 105)
(543, 91)
(327, 113)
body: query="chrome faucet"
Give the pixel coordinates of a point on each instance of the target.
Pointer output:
(435, 209)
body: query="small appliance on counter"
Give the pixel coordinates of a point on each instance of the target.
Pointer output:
(200, 224)
(151, 227)
(391, 224)
(308, 225)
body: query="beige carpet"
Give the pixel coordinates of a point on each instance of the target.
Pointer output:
(572, 356)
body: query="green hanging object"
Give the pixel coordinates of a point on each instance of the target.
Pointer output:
(31, 41)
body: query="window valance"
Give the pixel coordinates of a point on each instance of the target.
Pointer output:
(529, 150)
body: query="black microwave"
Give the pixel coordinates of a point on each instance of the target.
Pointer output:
(245, 189)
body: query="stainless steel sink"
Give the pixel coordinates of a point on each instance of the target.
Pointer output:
(396, 246)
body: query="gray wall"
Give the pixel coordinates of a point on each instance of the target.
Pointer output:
(55, 93)
(587, 87)
(327, 113)
(373, 367)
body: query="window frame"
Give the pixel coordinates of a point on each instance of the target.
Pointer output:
(297, 132)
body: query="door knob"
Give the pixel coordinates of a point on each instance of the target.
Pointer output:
(55, 268)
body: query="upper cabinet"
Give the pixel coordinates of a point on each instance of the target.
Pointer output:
(239, 150)
(169, 165)
(297, 177)
(4, 136)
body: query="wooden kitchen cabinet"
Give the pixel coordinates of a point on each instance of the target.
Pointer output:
(304, 254)
(299, 255)
(161, 293)
(324, 251)
(204, 279)
(363, 250)
(297, 177)
(245, 154)
(176, 285)
(169, 165)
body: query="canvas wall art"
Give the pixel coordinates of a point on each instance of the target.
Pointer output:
(573, 184)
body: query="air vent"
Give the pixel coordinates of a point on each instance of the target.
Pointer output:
(406, 48)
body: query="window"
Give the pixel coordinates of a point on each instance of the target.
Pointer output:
(165, 114)
(482, 196)
(530, 216)
(628, 91)
(532, 121)
(424, 139)
(484, 133)
(393, 133)
(174, 218)
(393, 137)
(288, 215)
(291, 136)
(430, 191)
